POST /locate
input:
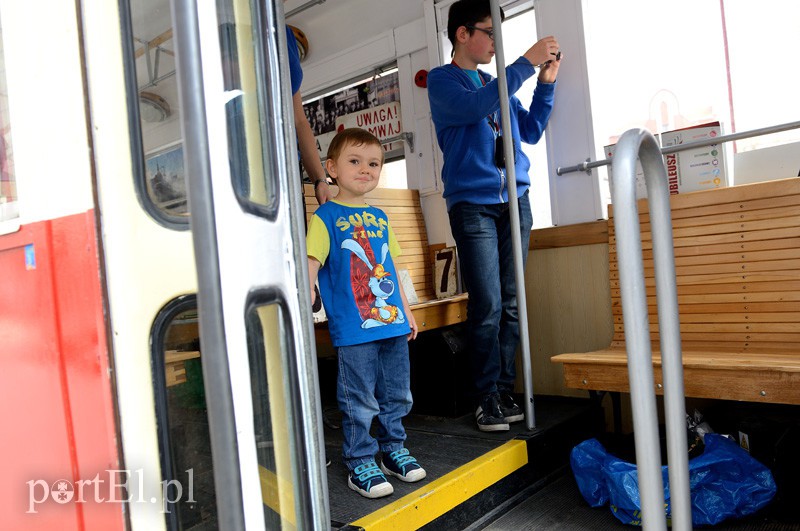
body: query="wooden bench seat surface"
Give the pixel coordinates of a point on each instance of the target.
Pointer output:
(737, 261)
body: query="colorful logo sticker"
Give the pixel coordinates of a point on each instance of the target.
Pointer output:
(30, 257)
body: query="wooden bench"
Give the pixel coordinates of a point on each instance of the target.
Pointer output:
(405, 215)
(737, 258)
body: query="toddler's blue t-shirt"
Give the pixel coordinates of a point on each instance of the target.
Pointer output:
(358, 281)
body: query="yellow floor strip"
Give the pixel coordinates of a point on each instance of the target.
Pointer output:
(439, 496)
(271, 486)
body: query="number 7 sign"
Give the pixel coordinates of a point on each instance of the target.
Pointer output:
(444, 272)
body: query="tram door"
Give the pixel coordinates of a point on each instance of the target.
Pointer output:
(246, 210)
(204, 254)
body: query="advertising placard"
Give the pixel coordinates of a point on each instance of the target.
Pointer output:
(701, 168)
(694, 169)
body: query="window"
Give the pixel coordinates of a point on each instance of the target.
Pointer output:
(8, 184)
(669, 70)
(182, 417)
(763, 79)
(160, 126)
(372, 104)
(268, 339)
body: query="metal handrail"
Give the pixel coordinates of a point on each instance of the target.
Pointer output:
(641, 144)
(513, 204)
(587, 165)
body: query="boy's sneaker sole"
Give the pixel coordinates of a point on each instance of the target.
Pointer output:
(378, 491)
(411, 477)
(495, 425)
(515, 418)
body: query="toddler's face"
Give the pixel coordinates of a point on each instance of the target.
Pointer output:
(357, 169)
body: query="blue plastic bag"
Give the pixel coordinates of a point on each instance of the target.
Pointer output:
(725, 482)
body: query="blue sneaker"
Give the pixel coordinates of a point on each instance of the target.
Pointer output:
(402, 466)
(369, 481)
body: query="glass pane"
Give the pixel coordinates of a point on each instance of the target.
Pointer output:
(774, 22)
(158, 106)
(8, 184)
(266, 341)
(187, 458)
(372, 104)
(678, 78)
(247, 91)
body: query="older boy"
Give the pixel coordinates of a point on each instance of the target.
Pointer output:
(465, 105)
(350, 246)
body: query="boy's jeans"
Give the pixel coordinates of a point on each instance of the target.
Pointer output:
(374, 380)
(483, 237)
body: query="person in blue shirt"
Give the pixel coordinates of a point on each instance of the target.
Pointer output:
(306, 143)
(465, 106)
(351, 246)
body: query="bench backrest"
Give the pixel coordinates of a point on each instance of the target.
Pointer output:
(405, 216)
(737, 259)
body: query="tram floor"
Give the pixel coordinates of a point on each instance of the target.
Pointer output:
(560, 507)
(453, 451)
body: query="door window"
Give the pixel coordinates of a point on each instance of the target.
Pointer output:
(8, 183)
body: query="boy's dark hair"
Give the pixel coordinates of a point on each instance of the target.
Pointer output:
(353, 136)
(468, 13)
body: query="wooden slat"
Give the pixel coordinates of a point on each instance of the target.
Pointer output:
(569, 235)
(733, 194)
(723, 258)
(743, 289)
(722, 307)
(726, 213)
(745, 234)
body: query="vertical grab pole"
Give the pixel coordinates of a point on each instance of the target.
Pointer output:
(638, 142)
(516, 245)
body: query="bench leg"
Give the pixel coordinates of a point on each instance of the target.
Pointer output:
(616, 407)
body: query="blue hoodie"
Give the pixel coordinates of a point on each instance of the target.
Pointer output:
(459, 110)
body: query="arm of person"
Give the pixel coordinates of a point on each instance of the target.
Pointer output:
(409, 315)
(454, 103)
(313, 271)
(533, 122)
(543, 50)
(308, 151)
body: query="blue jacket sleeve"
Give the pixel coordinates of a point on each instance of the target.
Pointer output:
(455, 103)
(532, 123)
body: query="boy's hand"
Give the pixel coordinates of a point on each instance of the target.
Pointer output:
(544, 50)
(549, 71)
(413, 324)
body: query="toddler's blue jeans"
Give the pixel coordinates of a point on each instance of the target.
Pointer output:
(374, 380)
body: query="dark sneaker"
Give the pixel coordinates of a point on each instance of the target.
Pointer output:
(489, 416)
(369, 481)
(511, 411)
(402, 466)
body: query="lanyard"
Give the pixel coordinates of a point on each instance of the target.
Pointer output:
(490, 118)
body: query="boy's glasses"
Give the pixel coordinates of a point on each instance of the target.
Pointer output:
(489, 32)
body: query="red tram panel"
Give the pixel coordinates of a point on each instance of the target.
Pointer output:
(57, 408)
